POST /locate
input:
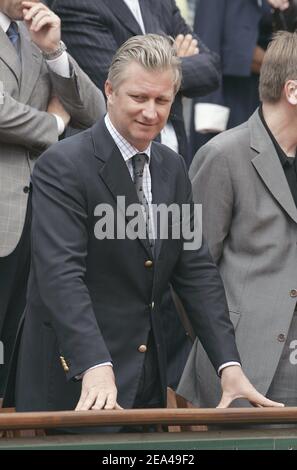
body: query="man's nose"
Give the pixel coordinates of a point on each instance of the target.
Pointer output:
(149, 111)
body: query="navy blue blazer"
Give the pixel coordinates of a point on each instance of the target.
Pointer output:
(94, 29)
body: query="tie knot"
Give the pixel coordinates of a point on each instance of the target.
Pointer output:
(13, 32)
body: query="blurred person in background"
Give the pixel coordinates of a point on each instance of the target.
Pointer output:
(43, 89)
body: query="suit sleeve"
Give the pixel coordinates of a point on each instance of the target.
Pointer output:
(59, 248)
(197, 282)
(80, 97)
(24, 125)
(212, 187)
(201, 73)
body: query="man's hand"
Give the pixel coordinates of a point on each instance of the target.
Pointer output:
(43, 25)
(98, 390)
(55, 107)
(236, 385)
(186, 46)
(281, 4)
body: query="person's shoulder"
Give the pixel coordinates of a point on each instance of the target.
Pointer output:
(69, 151)
(235, 139)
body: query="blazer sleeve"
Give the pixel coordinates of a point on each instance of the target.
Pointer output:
(60, 235)
(21, 124)
(201, 72)
(80, 97)
(198, 283)
(212, 187)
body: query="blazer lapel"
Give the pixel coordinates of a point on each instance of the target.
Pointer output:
(31, 65)
(115, 173)
(268, 166)
(160, 188)
(150, 20)
(9, 55)
(124, 15)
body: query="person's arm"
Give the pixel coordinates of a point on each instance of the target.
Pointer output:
(212, 187)
(201, 71)
(24, 125)
(79, 96)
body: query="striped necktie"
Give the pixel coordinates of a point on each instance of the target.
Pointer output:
(138, 162)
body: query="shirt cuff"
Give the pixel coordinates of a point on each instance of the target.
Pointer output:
(79, 377)
(210, 117)
(60, 65)
(60, 124)
(227, 364)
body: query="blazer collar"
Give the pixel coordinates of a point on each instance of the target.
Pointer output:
(116, 176)
(268, 166)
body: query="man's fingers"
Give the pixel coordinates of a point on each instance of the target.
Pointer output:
(111, 401)
(225, 402)
(87, 403)
(178, 41)
(82, 398)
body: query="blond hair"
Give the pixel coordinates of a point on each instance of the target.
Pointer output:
(279, 66)
(151, 51)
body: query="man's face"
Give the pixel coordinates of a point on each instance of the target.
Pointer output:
(139, 107)
(13, 8)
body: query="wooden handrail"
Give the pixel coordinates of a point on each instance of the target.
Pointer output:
(195, 416)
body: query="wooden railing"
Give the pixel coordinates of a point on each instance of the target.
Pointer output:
(170, 417)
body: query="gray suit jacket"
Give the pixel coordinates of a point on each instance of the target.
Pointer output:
(25, 127)
(250, 222)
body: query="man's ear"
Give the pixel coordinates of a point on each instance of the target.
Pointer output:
(291, 92)
(108, 91)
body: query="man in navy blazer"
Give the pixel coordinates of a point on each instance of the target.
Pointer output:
(93, 310)
(94, 29)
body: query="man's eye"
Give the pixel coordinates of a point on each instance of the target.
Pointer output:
(137, 97)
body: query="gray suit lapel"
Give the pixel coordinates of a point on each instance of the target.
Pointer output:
(268, 166)
(9, 55)
(31, 65)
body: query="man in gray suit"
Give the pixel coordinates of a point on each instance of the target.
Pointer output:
(41, 90)
(246, 179)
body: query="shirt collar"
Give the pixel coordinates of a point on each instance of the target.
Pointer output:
(4, 22)
(127, 150)
(284, 159)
